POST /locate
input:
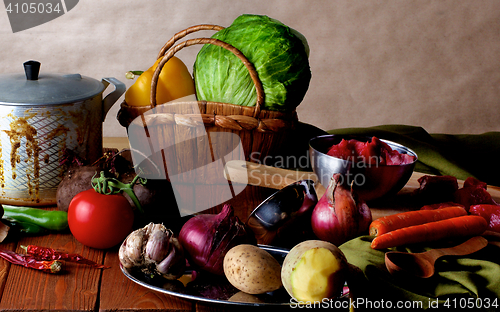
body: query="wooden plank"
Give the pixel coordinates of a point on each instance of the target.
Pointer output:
(81, 288)
(116, 142)
(276, 178)
(5, 266)
(75, 288)
(203, 307)
(120, 293)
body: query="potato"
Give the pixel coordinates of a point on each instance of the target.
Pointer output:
(252, 270)
(314, 270)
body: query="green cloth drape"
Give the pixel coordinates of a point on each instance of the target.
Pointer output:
(461, 156)
(457, 281)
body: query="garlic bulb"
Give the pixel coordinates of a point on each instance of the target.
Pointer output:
(153, 250)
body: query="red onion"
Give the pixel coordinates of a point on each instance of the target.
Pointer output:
(338, 216)
(207, 238)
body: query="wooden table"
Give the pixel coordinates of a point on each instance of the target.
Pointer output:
(81, 288)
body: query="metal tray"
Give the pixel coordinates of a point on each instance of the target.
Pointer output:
(215, 289)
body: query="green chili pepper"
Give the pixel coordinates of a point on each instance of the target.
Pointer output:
(25, 228)
(54, 220)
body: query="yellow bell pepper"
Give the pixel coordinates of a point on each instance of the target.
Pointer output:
(174, 82)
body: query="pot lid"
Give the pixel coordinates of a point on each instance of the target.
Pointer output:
(31, 88)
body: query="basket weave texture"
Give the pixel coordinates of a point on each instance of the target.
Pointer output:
(262, 133)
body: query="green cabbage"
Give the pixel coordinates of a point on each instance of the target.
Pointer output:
(279, 54)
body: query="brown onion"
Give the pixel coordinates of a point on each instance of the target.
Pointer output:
(207, 238)
(339, 216)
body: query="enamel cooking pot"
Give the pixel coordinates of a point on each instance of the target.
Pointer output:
(43, 119)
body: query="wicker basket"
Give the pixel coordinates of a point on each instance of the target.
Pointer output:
(262, 133)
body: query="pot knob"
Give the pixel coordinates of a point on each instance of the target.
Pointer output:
(32, 68)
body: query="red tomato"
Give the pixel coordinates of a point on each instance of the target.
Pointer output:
(98, 220)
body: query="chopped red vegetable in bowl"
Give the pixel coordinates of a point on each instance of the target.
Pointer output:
(374, 167)
(374, 152)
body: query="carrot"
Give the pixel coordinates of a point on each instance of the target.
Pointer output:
(404, 219)
(462, 226)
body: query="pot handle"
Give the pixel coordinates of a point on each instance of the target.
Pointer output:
(113, 96)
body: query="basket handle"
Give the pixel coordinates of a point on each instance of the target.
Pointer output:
(183, 33)
(251, 69)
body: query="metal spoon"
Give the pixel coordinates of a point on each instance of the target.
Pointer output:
(283, 216)
(422, 264)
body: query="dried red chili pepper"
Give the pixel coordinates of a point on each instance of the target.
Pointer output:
(52, 266)
(45, 253)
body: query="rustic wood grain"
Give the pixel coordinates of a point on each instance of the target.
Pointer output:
(82, 288)
(218, 307)
(75, 288)
(120, 293)
(5, 266)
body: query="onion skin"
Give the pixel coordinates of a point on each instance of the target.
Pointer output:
(339, 216)
(206, 238)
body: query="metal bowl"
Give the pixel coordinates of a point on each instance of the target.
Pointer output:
(369, 181)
